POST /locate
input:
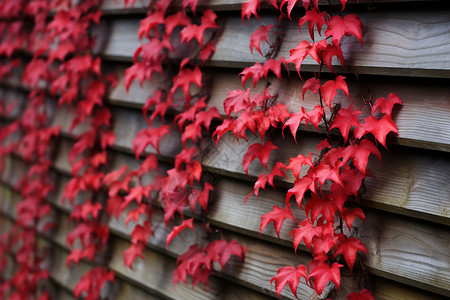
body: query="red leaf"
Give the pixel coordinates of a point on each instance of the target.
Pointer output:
(260, 34)
(386, 105)
(294, 121)
(328, 89)
(232, 248)
(328, 54)
(305, 232)
(379, 128)
(363, 295)
(150, 136)
(349, 247)
(141, 233)
(289, 275)
(312, 84)
(260, 151)
(191, 3)
(130, 254)
(320, 206)
(322, 273)
(349, 216)
(236, 101)
(177, 229)
(344, 120)
(277, 215)
(313, 16)
(205, 117)
(207, 51)
(296, 163)
(337, 27)
(360, 154)
(249, 8)
(300, 187)
(184, 79)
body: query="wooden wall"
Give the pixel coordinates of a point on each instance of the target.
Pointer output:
(407, 230)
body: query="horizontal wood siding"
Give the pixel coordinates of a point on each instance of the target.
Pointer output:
(407, 231)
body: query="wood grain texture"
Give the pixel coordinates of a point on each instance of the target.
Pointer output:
(384, 259)
(409, 43)
(117, 6)
(396, 43)
(413, 183)
(416, 128)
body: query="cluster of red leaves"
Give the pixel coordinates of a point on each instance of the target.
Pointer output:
(29, 137)
(329, 188)
(80, 85)
(183, 185)
(198, 263)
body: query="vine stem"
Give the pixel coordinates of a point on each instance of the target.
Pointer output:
(324, 117)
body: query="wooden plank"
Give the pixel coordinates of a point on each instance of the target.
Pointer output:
(428, 130)
(117, 6)
(226, 209)
(69, 277)
(389, 49)
(422, 122)
(386, 237)
(399, 43)
(413, 183)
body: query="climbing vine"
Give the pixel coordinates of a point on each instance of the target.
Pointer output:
(176, 43)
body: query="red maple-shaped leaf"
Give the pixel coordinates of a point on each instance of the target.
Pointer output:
(174, 20)
(177, 229)
(386, 106)
(344, 120)
(150, 136)
(141, 233)
(349, 247)
(249, 8)
(74, 256)
(379, 128)
(328, 54)
(236, 101)
(328, 89)
(191, 3)
(360, 154)
(204, 118)
(130, 254)
(349, 216)
(294, 121)
(313, 16)
(257, 150)
(363, 295)
(260, 34)
(322, 273)
(289, 275)
(305, 232)
(184, 79)
(337, 27)
(231, 248)
(301, 186)
(320, 206)
(150, 22)
(312, 84)
(303, 49)
(201, 197)
(277, 216)
(136, 193)
(352, 179)
(207, 51)
(296, 163)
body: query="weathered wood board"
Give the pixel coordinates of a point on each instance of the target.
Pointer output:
(397, 52)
